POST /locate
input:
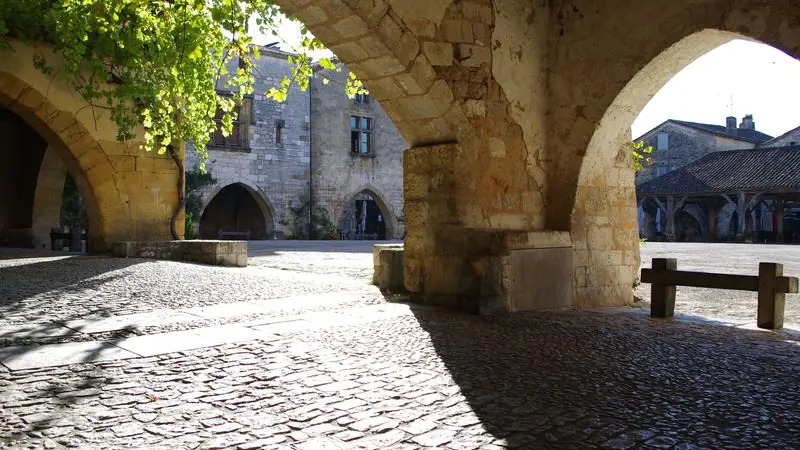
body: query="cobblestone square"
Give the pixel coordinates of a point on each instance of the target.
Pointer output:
(337, 366)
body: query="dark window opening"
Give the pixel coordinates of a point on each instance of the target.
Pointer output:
(279, 126)
(236, 138)
(360, 135)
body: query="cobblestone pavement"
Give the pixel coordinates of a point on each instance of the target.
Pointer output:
(434, 379)
(738, 306)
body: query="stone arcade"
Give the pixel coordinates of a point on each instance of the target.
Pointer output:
(518, 187)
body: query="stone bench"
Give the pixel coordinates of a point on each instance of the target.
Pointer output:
(218, 253)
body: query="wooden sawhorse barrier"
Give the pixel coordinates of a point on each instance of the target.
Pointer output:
(770, 284)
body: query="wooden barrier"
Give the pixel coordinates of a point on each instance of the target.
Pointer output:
(770, 284)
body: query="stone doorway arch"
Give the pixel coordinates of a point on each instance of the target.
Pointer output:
(358, 215)
(238, 208)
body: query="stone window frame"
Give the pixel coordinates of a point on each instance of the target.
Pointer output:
(370, 131)
(244, 119)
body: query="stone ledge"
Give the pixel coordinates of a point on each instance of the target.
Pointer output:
(387, 260)
(217, 253)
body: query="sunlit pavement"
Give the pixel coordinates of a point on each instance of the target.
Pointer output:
(331, 364)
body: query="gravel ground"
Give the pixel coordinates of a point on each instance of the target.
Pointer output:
(738, 306)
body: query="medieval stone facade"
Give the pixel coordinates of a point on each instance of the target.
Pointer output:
(357, 160)
(284, 157)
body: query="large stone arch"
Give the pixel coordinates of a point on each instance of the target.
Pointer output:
(390, 216)
(594, 101)
(267, 212)
(129, 195)
(516, 114)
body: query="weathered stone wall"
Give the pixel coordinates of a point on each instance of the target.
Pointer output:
(277, 172)
(129, 194)
(338, 174)
(684, 146)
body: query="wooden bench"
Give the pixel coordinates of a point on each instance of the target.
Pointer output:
(770, 284)
(234, 235)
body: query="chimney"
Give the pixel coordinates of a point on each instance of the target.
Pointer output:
(730, 124)
(747, 122)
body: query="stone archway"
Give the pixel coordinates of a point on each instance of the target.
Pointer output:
(237, 208)
(346, 218)
(517, 114)
(591, 185)
(129, 195)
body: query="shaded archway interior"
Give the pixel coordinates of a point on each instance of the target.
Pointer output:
(365, 216)
(235, 211)
(32, 182)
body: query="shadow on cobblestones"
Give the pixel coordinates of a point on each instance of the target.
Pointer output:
(596, 380)
(55, 276)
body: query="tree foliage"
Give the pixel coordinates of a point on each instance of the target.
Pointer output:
(641, 156)
(159, 63)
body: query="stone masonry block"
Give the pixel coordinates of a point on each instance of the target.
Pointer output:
(388, 267)
(439, 53)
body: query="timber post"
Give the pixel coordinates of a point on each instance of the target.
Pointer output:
(662, 296)
(771, 300)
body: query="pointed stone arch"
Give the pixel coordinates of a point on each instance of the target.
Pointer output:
(129, 195)
(259, 198)
(591, 185)
(384, 207)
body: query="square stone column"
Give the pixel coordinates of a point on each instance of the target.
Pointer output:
(446, 262)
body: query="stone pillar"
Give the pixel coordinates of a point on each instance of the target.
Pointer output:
(445, 262)
(670, 212)
(779, 212)
(712, 223)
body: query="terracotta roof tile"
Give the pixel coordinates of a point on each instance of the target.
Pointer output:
(763, 170)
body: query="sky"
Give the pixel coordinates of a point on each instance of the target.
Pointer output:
(737, 78)
(762, 81)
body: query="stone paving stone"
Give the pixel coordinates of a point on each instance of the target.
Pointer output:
(129, 321)
(36, 330)
(49, 355)
(178, 341)
(572, 380)
(226, 310)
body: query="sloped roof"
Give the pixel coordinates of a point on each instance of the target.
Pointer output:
(742, 134)
(769, 142)
(763, 170)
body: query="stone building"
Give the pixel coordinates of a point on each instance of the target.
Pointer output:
(357, 160)
(284, 157)
(791, 137)
(744, 195)
(676, 143)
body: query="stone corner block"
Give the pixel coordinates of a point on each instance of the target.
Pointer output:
(388, 267)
